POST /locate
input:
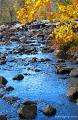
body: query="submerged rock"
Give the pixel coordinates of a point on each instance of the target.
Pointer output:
(11, 99)
(28, 110)
(49, 110)
(18, 77)
(3, 80)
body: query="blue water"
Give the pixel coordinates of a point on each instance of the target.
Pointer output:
(45, 85)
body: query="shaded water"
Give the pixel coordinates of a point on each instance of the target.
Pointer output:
(45, 86)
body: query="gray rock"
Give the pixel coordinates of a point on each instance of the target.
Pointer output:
(72, 92)
(76, 60)
(2, 61)
(3, 80)
(49, 110)
(74, 73)
(18, 77)
(2, 56)
(47, 49)
(63, 70)
(28, 110)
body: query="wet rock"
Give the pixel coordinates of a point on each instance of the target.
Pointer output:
(2, 61)
(2, 56)
(74, 73)
(63, 70)
(40, 35)
(34, 69)
(60, 60)
(3, 117)
(13, 60)
(57, 52)
(45, 60)
(47, 49)
(11, 99)
(1, 85)
(18, 77)
(34, 60)
(3, 80)
(29, 102)
(49, 110)
(25, 50)
(28, 110)
(76, 60)
(13, 38)
(9, 89)
(72, 92)
(31, 51)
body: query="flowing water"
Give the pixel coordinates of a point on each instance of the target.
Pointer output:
(45, 86)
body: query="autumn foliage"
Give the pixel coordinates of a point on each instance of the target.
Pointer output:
(66, 15)
(33, 10)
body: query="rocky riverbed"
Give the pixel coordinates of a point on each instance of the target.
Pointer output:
(34, 83)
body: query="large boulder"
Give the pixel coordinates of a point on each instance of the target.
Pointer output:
(3, 80)
(18, 77)
(49, 110)
(28, 110)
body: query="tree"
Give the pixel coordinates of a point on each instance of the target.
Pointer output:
(8, 9)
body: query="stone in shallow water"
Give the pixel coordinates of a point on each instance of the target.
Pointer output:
(47, 50)
(18, 77)
(72, 92)
(3, 80)
(11, 99)
(9, 89)
(63, 70)
(49, 110)
(28, 110)
(34, 60)
(2, 61)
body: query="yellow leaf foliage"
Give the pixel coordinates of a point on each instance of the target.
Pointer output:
(66, 15)
(33, 9)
